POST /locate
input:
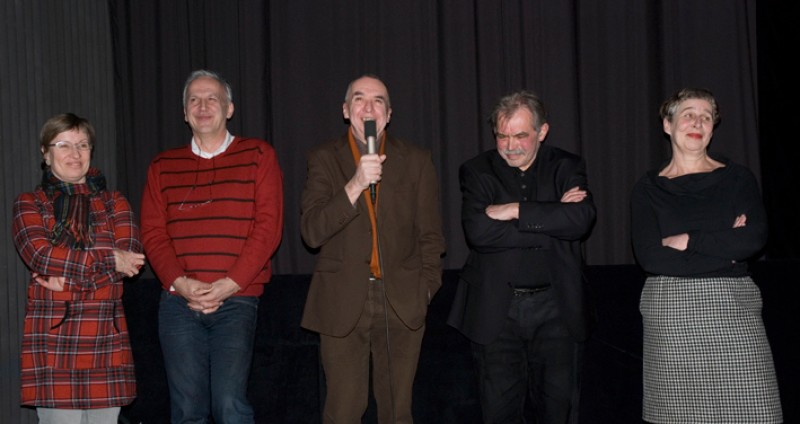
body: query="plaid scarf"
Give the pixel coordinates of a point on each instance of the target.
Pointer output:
(73, 227)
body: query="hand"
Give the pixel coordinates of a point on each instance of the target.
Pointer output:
(204, 297)
(740, 221)
(677, 242)
(213, 295)
(190, 289)
(50, 282)
(505, 212)
(573, 195)
(368, 171)
(128, 263)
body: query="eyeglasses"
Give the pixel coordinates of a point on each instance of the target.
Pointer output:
(201, 200)
(188, 205)
(66, 146)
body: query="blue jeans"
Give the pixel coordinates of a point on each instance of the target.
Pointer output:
(207, 358)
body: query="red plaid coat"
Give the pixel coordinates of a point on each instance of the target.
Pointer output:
(76, 352)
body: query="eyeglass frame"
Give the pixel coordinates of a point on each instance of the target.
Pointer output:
(191, 205)
(81, 146)
(183, 206)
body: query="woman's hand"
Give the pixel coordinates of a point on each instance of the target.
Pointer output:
(677, 242)
(50, 282)
(128, 263)
(680, 241)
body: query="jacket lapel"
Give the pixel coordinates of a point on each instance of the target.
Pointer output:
(395, 161)
(344, 158)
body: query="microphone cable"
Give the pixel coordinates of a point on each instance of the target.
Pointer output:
(385, 307)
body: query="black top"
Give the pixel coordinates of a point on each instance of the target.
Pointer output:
(535, 271)
(704, 205)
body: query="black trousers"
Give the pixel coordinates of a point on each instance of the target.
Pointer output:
(533, 365)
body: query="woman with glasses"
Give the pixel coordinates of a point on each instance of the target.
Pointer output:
(79, 241)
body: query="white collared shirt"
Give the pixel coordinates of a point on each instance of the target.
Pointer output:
(224, 146)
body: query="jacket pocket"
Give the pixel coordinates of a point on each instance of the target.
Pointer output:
(87, 334)
(328, 264)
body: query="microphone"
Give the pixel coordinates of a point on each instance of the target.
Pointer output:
(370, 133)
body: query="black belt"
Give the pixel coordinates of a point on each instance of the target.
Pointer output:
(528, 291)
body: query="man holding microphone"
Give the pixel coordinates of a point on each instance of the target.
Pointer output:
(379, 258)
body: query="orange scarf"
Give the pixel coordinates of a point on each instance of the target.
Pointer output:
(374, 263)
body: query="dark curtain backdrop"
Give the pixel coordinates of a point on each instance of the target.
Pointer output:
(602, 68)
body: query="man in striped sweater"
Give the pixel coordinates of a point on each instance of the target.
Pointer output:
(212, 217)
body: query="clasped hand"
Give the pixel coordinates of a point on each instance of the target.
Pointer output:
(205, 297)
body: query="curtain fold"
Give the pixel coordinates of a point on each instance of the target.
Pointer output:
(602, 69)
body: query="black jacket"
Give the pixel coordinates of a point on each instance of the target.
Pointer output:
(497, 248)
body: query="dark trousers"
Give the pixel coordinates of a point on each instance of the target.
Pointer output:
(533, 364)
(346, 361)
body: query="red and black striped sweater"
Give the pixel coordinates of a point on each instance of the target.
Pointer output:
(214, 218)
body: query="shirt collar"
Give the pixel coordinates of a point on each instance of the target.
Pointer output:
(224, 146)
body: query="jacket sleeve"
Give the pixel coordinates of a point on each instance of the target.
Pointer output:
(429, 227)
(562, 221)
(126, 231)
(539, 221)
(84, 270)
(325, 207)
(483, 234)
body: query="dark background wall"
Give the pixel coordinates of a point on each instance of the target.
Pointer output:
(602, 67)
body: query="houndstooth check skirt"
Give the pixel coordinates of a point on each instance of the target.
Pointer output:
(706, 354)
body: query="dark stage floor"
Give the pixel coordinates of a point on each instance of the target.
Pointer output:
(286, 384)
